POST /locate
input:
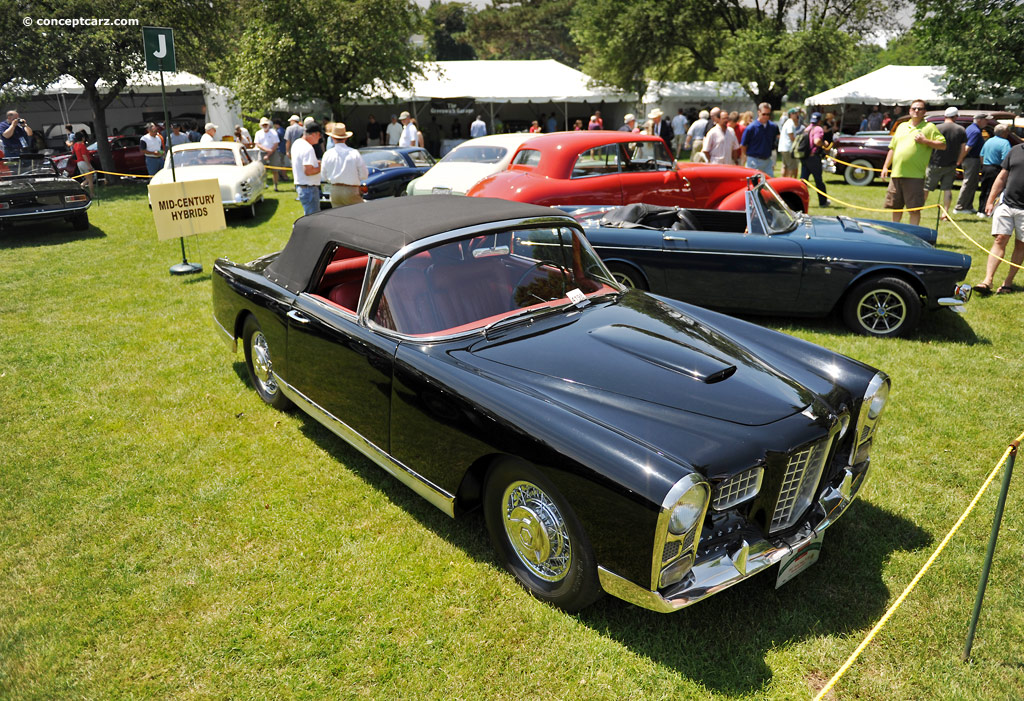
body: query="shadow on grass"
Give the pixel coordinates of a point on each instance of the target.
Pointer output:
(939, 325)
(241, 218)
(722, 643)
(49, 233)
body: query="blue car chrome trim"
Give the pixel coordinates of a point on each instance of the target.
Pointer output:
(721, 572)
(426, 489)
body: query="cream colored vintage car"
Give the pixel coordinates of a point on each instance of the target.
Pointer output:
(464, 165)
(242, 176)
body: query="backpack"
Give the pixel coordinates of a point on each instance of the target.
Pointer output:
(802, 145)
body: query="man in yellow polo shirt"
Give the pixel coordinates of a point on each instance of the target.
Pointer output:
(909, 153)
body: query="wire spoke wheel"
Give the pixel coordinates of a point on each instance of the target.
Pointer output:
(882, 311)
(537, 531)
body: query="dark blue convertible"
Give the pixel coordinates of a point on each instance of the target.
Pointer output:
(771, 260)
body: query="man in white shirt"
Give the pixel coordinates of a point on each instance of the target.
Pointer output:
(720, 145)
(678, 133)
(294, 132)
(343, 168)
(394, 131)
(306, 169)
(410, 136)
(211, 131)
(153, 149)
(695, 135)
(477, 128)
(267, 141)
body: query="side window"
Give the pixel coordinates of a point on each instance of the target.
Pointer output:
(342, 281)
(421, 158)
(527, 157)
(597, 161)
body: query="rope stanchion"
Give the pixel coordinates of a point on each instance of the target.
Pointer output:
(874, 170)
(917, 578)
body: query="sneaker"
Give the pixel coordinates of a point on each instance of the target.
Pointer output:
(982, 215)
(963, 211)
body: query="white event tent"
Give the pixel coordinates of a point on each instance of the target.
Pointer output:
(891, 85)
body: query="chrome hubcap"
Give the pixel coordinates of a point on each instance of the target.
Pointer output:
(261, 365)
(881, 311)
(537, 531)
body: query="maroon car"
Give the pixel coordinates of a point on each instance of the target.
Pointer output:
(125, 148)
(859, 157)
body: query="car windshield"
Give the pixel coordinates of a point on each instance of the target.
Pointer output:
(204, 157)
(28, 165)
(474, 282)
(383, 160)
(778, 217)
(475, 153)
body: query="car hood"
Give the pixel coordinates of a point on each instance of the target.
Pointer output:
(873, 231)
(41, 185)
(457, 176)
(640, 351)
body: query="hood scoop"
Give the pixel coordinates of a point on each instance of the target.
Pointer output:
(663, 352)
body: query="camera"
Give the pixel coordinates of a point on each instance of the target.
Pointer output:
(22, 122)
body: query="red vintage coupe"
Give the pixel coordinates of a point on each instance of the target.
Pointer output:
(616, 168)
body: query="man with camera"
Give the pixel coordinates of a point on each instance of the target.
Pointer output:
(15, 134)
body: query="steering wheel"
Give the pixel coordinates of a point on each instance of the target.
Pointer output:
(526, 274)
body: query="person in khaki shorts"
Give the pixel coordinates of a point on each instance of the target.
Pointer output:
(343, 168)
(1006, 207)
(909, 153)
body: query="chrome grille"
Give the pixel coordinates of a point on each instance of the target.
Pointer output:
(671, 550)
(803, 471)
(737, 489)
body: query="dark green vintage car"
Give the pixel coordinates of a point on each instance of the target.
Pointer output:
(31, 190)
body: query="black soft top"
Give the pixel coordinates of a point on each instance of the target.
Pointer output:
(383, 227)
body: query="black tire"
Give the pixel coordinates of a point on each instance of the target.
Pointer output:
(260, 367)
(538, 538)
(627, 275)
(859, 172)
(80, 222)
(883, 306)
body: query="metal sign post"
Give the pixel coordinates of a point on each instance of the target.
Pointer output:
(158, 48)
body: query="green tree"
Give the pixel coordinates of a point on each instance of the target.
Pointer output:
(102, 58)
(524, 29)
(981, 43)
(333, 50)
(447, 36)
(771, 47)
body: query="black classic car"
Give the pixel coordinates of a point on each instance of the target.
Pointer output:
(772, 260)
(480, 352)
(31, 190)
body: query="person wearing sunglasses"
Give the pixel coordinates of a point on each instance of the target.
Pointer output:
(909, 152)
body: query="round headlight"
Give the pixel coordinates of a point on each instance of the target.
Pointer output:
(878, 401)
(688, 509)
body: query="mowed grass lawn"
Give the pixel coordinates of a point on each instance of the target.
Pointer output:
(164, 534)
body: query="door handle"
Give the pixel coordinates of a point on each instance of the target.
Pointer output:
(297, 317)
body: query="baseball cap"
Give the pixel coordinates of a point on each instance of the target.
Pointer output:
(952, 112)
(294, 118)
(264, 120)
(815, 117)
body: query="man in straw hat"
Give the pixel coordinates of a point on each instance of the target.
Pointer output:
(661, 127)
(267, 142)
(343, 168)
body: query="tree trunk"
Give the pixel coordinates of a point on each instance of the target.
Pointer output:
(99, 118)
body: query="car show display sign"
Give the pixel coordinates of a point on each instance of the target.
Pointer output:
(187, 208)
(158, 47)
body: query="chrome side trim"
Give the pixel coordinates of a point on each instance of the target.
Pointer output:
(712, 576)
(55, 213)
(426, 489)
(226, 336)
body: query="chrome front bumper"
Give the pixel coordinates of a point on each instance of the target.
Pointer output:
(720, 572)
(961, 295)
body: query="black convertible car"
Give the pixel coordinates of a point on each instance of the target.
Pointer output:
(479, 351)
(32, 190)
(769, 259)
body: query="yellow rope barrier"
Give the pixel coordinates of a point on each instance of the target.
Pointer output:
(875, 170)
(927, 206)
(107, 172)
(910, 587)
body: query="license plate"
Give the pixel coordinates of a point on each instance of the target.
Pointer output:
(800, 559)
(441, 191)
